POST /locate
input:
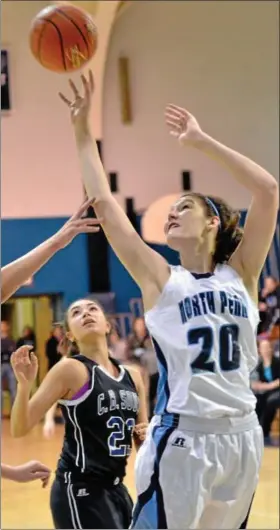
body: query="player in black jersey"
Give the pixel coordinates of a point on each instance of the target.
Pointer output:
(102, 403)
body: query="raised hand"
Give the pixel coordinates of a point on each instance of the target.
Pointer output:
(183, 125)
(77, 224)
(81, 103)
(25, 365)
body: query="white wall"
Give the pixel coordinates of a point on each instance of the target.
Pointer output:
(218, 58)
(40, 174)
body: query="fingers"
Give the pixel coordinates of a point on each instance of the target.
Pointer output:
(141, 430)
(86, 87)
(91, 81)
(21, 355)
(87, 226)
(64, 99)
(87, 221)
(40, 475)
(175, 110)
(38, 467)
(45, 482)
(73, 88)
(33, 358)
(175, 125)
(83, 208)
(88, 84)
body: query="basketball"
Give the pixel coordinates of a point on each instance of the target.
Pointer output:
(63, 38)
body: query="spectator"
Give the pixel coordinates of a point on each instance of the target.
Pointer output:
(265, 384)
(28, 338)
(137, 343)
(149, 362)
(8, 346)
(141, 351)
(117, 346)
(138, 339)
(269, 304)
(52, 350)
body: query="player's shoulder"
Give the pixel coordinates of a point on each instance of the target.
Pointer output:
(134, 373)
(67, 365)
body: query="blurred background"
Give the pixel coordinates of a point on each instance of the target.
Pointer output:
(220, 60)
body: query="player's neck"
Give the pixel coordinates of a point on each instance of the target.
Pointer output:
(96, 351)
(196, 259)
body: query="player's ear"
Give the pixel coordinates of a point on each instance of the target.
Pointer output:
(108, 327)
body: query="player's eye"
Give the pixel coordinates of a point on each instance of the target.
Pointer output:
(185, 207)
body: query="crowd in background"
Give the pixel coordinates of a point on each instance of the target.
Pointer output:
(137, 349)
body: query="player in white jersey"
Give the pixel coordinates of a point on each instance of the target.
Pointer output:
(199, 465)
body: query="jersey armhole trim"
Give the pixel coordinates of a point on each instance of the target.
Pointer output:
(75, 402)
(237, 275)
(172, 269)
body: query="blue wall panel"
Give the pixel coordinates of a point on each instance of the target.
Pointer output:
(66, 272)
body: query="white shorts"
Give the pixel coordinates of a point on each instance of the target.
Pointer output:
(187, 477)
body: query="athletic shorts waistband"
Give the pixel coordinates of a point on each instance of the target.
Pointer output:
(225, 425)
(88, 479)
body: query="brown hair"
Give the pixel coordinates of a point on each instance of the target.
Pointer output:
(229, 234)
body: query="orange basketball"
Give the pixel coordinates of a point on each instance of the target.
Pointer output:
(63, 38)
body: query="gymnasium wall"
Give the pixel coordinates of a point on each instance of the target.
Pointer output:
(39, 167)
(220, 59)
(232, 89)
(66, 273)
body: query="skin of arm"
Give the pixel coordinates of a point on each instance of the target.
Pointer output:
(250, 255)
(259, 386)
(27, 472)
(19, 271)
(26, 412)
(145, 265)
(259, 228)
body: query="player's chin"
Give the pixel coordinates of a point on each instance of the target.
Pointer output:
(174, 240)
(90, 330)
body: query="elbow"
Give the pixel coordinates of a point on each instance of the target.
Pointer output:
(18, 431)
(272, 187)
(268, 192)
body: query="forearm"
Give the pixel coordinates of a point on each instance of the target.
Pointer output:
(19, 271)
(249, 174)
(94, 177)
(260, 386)
(7, 472)
(20, 415)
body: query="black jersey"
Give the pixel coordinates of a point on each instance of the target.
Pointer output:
(98, 425)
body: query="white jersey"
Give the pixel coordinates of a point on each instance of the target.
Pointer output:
(204, 332)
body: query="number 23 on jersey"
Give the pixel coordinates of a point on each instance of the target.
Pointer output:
(118, 435)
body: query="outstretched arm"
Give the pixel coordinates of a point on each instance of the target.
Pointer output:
(19, 271)
(28, 472)
(144, 265)
(260, 225)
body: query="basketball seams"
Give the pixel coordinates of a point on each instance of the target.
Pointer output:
(60, 38)
(77, 38)
(68, 17)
